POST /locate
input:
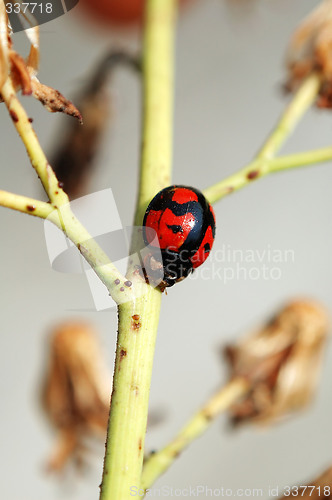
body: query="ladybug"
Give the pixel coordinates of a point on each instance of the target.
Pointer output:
(179, 230)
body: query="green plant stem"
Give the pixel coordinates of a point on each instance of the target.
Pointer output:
(37, 156)
(159, 462)
(120, 289)
(300, 103)
(138, 320)
(156, 146)
(259, 168)
(64, 219)
(26, 205)
(299, 160)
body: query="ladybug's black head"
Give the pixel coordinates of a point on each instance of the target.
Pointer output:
(176, 266)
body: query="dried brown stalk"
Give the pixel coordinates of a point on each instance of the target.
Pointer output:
(74, 159)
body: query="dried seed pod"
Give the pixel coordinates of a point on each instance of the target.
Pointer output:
(310, 51)
(316, 489)
(53, 100)
(281, 362)
(76, 392)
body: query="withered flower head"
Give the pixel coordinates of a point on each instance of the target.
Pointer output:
(310, 51)
(315, 489)
(23, 71)
(76, 390)
(281, 362)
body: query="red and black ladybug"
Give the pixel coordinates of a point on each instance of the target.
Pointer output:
(179, 229)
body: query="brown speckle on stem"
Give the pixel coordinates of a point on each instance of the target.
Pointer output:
(135, 324)
(207, 416)
(14, 116)
(122, 289)
(31, 208)
(139, 446)
(117, 282)
(30, 120)
(123, 354)
(252, 175)
(128, 283)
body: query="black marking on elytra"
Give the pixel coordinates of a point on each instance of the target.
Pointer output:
(175, 228)
(177, 264)
(198, 209)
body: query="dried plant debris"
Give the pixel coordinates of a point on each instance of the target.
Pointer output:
(76, 392)
(23, 71)
(53, 100)
(281, 361)
(73, 160)
(310, 51)
(316, 489)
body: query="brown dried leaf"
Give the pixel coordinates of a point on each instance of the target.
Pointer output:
(282, 363)
(19, 73)
(33, 57)
(53, 100)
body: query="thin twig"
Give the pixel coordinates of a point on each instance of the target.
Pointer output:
(26, 205)
(301, 102)
(159, 462)
(37, 156)
(259, 168)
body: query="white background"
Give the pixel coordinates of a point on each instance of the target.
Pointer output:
(229, 71)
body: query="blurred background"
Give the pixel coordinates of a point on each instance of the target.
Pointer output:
(229, 76)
